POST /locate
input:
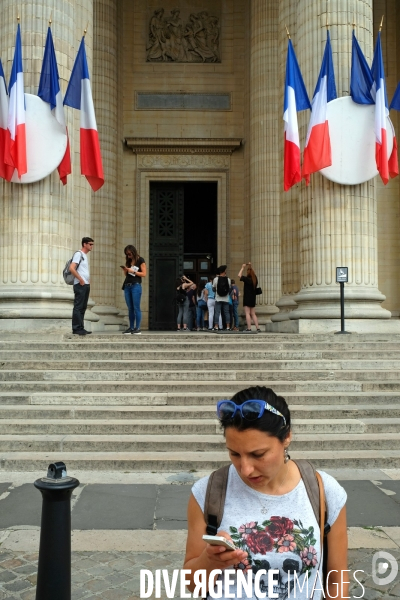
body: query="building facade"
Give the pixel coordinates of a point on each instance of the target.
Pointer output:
(188, 97)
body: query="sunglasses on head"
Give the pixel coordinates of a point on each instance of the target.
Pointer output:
(249, 410)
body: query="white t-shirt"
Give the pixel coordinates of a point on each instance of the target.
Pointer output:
(83, 268)
(278, 532)
(219, 298)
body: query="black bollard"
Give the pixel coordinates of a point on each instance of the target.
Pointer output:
(54, 569)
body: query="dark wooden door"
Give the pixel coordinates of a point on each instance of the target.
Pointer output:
(166, 252)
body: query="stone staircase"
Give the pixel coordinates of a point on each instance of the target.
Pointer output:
(130, 403)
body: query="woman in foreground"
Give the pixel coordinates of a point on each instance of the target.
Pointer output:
(267, 513)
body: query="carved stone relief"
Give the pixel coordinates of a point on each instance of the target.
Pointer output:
(179, 161)
(195, 40)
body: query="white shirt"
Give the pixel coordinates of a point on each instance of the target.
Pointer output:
(278, 532)
(83, 268)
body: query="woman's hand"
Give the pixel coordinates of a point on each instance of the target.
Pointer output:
(125, 270)
(220, 557)
(244, 266)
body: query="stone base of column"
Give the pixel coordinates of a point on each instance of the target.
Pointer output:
(316, 326)
(110, 319)
(286, 305)
(39, 310)
(264, 313)
(324, 303)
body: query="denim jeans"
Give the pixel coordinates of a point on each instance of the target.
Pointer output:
(221, 307)
(133, 294)
(200, 314)
(235, 313)
(183, 312)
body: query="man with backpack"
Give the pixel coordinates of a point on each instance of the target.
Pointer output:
(222, 285)
(79, 267)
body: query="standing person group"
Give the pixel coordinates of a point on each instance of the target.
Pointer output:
(79, 268)
(134, 270)
(249, 296)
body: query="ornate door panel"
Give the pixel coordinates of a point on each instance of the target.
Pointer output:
(166, 252)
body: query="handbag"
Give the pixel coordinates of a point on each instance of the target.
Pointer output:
(258, 291)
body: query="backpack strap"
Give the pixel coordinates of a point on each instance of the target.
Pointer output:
(215, 499)
(308, 475)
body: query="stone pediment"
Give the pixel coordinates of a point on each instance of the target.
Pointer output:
(183, 145)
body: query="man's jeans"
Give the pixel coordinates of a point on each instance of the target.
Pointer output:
(224, 307)
(81, 293)
(133, 294)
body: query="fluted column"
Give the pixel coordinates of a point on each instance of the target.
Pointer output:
(338, 224)
(289, 201)
(265, 177)
(104, 213)
(41, 223)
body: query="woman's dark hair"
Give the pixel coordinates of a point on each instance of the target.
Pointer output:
(201, 287)
(178, 282)
(135, 255)
(269, 423)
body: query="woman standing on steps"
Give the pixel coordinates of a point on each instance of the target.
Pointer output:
(249, 296)
(271, 509)
(134, 270)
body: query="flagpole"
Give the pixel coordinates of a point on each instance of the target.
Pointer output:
(287, 32)
(85, 30)
(50, 21)
(354, 21)
(380, 26)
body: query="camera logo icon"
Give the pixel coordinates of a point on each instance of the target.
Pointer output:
(384, 568)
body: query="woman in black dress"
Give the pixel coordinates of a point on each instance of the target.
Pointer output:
(249, 296)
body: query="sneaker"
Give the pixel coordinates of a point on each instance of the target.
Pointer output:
(137, 332)
(79, 332)
(235, 329)
(258, 330)
(246, 330)
(128, 331)
(87, 332)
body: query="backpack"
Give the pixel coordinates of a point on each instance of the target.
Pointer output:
(180, 296)
(68, 276)
(222, 286)
(216, 492)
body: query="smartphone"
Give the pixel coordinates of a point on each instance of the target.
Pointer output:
(217, 540)
(122, 266)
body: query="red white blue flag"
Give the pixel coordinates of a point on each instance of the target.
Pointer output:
(15, 149)
(395, 103)
(79, 96)
(361, 80)
(296, 99)
(317, 151)
(381, 113)
(50, 91)
(6, 171)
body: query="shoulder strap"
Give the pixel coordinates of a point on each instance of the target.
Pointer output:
(215, 499)
(308, 475)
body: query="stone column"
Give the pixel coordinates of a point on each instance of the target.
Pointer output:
(289, 201)
(265, 174)
(338, 224)
(41, 223)
(104, 209)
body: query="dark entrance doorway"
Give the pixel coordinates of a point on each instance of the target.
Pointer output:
(183, 240)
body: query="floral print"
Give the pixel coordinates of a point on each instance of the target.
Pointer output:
(278, 534)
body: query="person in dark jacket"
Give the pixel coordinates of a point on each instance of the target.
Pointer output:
(249, 295)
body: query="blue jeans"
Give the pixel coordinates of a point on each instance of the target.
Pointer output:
(133, 294)
(200, 314)
(235, 313)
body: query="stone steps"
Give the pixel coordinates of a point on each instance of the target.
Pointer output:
(185, 442)
(169, 412)
(158, 426)
(147, 403)
(189, 461)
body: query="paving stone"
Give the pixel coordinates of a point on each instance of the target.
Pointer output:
(17, 586)
(6, 576)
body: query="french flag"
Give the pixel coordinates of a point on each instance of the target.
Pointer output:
(79, 96)
(15, 148)
(394, 159)
(295, 99)
(361, 80)
(50, 92)
(317, 151)
(6, 172)
(381, 112)
(395, 103)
